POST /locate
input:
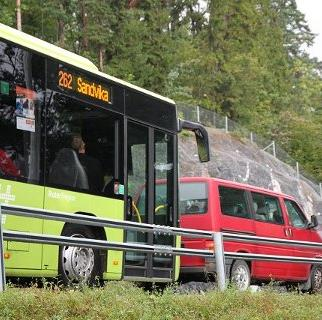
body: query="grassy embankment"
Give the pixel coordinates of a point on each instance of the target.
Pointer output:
(121, 300)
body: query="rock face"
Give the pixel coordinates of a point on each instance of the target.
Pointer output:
(233, 158)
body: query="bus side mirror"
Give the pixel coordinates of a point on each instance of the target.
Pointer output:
(314, 222)
(201, 138)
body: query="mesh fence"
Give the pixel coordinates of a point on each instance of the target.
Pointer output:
(213, 119)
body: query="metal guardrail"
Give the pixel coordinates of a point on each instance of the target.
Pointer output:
(218, 238)
(6, 235)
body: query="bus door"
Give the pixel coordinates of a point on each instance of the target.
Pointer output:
(151, 189)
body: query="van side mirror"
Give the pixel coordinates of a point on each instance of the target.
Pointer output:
(314, 222)
(201, 138)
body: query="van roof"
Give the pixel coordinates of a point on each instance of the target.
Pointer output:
(50, 50)
(234, 184)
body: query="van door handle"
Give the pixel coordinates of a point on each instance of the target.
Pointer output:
(286, 232)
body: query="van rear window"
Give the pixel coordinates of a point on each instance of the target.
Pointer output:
(193, 198)
(233, 202)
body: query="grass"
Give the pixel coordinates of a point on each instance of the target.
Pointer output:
(124, 300)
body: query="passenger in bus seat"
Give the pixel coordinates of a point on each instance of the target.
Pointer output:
(92, 166)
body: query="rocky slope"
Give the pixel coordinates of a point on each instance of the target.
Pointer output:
(233, 158)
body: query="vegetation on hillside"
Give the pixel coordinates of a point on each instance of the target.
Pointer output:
(123, 300)
(244, 59)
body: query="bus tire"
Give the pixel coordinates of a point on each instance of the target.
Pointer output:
(240, 275)
(78, 265)
(316, 279)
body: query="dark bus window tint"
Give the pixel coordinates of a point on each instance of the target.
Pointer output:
(193, 198)
(267, 208)
(295, 214)
(80, 146)
(233, 202)
(21, 99)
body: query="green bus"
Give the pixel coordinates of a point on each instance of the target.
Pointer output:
(73, 139)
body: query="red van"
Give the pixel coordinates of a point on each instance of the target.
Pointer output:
(219, 205)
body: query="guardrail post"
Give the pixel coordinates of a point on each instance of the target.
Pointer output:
(198, 114)
(274, 149)
(2, 271)
(220, 260)
(297, 170)
(226, 124)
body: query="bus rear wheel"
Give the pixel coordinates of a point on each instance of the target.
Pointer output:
(77, 265)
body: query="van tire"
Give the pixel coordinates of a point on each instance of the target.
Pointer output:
(316, 279)
(78, 265)
(240, 275)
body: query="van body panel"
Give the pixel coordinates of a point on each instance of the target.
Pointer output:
(206, 221)
(300, 271)
(240, 208)
(270, 269)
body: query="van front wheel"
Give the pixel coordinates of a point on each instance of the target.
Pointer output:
(240, 275)
(316, 279)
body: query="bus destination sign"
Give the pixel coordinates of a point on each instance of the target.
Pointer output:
(83, 86)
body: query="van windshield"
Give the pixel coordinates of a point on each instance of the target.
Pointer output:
(193, 197)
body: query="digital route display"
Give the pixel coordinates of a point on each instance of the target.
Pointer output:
(83, 86)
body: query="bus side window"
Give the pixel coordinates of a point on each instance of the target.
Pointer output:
(21, 100)
(80, 150)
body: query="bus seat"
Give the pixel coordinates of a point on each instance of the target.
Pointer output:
(66, 170)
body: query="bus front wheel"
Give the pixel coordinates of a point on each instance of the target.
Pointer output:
(76, 264)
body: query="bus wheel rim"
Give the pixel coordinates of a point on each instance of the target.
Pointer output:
(78, 263)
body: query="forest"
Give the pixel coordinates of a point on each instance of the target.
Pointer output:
(242, 58)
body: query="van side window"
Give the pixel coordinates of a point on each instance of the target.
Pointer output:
(267, 208)
(233, 202)
(295, 214)
(193, 197)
